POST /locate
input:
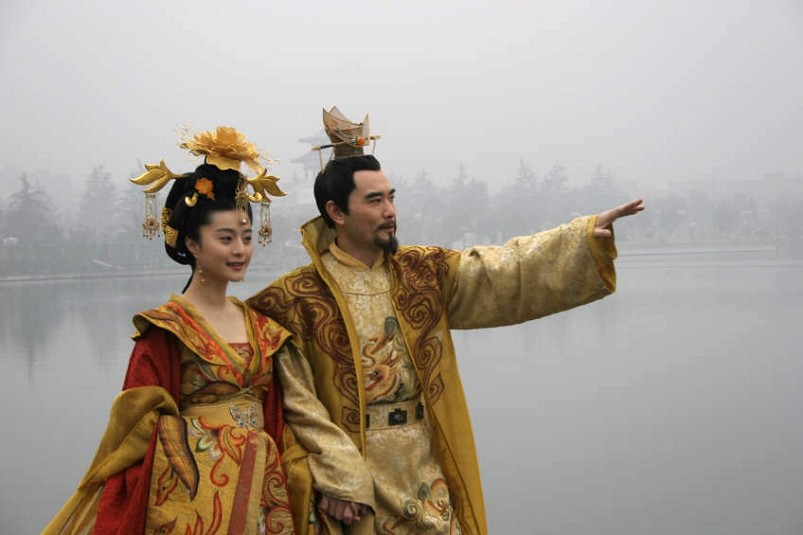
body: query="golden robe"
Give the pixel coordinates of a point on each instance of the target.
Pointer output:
(433, 290)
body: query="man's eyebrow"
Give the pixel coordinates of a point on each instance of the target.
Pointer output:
(374, 194)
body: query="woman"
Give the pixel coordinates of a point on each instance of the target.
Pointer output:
(190, 446)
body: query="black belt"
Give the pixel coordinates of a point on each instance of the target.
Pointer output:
(383, 415)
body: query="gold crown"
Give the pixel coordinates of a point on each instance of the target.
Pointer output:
(347, 137)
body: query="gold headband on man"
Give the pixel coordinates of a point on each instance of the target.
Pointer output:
(347, 137)
(224, 148)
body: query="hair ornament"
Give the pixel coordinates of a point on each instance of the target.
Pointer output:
(205, 187)
(227, 149)
(155, 177)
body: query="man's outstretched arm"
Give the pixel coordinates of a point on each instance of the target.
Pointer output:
(533, 276)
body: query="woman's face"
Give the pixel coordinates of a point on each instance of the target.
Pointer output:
(225, 249)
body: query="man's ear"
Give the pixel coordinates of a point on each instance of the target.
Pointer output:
(335, 213)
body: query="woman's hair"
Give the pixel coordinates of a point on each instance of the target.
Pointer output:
(213, 190)
(336, 182)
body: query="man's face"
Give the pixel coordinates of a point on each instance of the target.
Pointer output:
(370, 225)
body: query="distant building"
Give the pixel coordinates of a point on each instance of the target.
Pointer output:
(300, 188)
(311, 160)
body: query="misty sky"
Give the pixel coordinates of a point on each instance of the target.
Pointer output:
(656, 91)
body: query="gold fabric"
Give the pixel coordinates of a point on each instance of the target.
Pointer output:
(432, 291)
(315, 449)
(388, 371)
(228, 480)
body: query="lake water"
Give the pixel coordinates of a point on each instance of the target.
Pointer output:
(671, 407)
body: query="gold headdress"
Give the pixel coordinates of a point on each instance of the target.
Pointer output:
(347, 138)
(226, 149)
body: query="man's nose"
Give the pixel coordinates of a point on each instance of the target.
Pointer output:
(389, 210)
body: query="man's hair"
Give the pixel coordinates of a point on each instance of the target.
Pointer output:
(336, 182)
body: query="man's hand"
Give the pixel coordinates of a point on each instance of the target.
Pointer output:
(341, 510)
(605, 220)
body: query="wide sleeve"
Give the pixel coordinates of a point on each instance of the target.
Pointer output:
(154, 361)
(532, 276)
(338, 469)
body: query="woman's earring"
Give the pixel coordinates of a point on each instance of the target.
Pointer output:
(201, 273)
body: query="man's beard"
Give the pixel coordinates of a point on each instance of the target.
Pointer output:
(390, 246)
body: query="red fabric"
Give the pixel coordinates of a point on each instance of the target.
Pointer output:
(272, 410)
(156, 361)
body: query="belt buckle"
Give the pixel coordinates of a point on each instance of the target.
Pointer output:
(397, 416)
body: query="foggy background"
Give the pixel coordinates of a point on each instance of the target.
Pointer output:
(670, 407)
(656, 91)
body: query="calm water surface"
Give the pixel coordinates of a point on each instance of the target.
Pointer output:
(672, 407)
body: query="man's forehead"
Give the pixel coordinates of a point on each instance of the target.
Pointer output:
(369, 181)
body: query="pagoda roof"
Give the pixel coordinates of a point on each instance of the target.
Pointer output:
(318, 138)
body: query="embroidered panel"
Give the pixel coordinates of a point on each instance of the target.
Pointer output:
(305, 305)
(421, 273)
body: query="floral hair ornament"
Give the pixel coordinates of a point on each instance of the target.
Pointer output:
(226, 149)
(347, 138)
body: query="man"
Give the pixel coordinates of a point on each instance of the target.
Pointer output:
(374, 397)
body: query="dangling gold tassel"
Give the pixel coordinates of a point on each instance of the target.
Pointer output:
(265, 234)
(150, 227)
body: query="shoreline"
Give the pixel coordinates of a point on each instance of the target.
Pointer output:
(725, 254)
(111, 274)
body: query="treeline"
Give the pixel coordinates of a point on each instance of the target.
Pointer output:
(103, 230)
(463, 212)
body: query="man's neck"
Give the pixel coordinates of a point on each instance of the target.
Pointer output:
(366, 256)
